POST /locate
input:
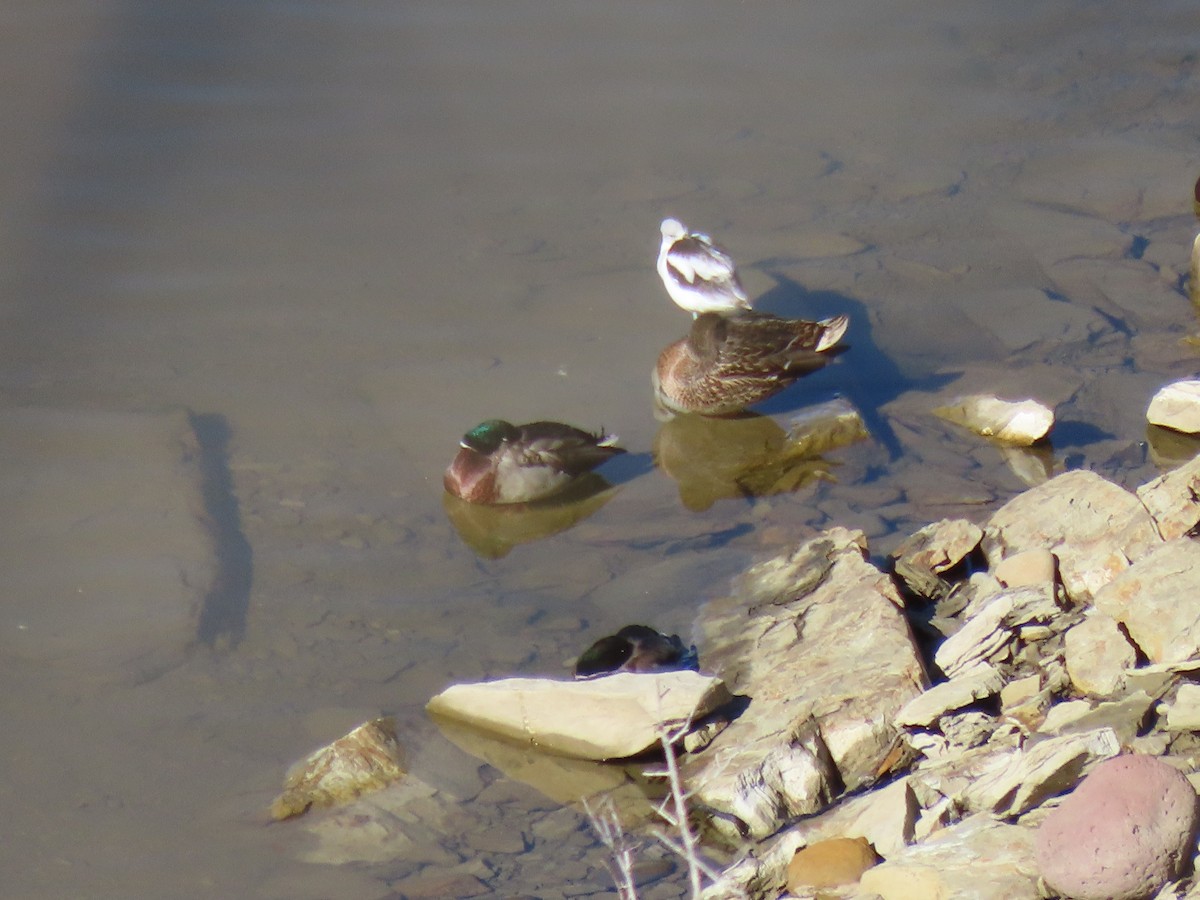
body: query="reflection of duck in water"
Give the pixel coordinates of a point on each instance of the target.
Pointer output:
(635, 648)
(499, 462)
(744, 457)
(728, 363)
(699, 275)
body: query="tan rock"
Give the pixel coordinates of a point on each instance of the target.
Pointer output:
(820, 718)
(1094, 527)
(1158, 601)
(1017, 692)
(1030, 777)
(1027, 568)
(992, 626)
(1183, 710)
(1020, 422)
(365, 760)
(1097, 655)
(885, 817)
(601, 718)
(934, 549)
(980, 858)
(1173, 500)
(1176, 406)
(965, 688)
(830, 863)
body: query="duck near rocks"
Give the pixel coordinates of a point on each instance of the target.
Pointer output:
(728, 363)
(635, 648)
(700, 276)
(499, 462)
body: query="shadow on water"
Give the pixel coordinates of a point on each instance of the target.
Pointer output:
(864, 373)
(222, 622)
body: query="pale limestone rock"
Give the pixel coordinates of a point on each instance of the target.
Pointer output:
(1183, 710)
(1039, 771)
(1158, 601)
(1020, 691)
(1094, 527)
(1176, 406)
(365, 760)
(1020, 422)
(820, 718)
(1125, 716)
(1174, 500)
(1027, 568)
(965, 688)
(885, 817)
(934, 549)
(979, 858)
(601, 718)
(1097, 655)
(992, 627)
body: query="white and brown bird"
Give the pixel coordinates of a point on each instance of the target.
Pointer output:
(700, 276)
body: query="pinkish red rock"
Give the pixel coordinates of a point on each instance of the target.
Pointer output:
(1125, 831)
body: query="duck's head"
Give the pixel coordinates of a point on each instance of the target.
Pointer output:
(486, 437)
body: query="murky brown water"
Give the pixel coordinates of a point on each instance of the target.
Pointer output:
(339, 236)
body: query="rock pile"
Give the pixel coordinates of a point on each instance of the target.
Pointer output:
(1063, 637)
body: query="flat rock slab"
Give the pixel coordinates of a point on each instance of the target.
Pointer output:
(105, 554)
(602, 718)
(1173, 500)
(979, 858)
(1158, 601)
(1094, 527)
(818, 640)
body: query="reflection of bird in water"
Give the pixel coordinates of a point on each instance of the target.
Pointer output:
(699, 275)
(493, 530)
(728, 363)
(635, 648)
(499, 462)
(749, 456)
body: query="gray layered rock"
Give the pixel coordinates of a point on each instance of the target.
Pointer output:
(1094, 527)
(818, 640)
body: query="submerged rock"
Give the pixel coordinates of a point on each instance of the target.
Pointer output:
(610, 717)
(1020, 422)
(1125, 831)
(365, 760)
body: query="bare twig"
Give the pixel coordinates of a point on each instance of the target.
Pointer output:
(607, 826)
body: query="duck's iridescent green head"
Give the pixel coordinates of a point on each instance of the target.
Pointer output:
(486, 437)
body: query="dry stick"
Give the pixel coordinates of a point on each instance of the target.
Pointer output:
(608, 827)
(679, 820)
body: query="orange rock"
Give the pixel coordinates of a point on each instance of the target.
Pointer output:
(830, 863)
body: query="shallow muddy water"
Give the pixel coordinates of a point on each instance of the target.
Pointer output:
(306, 246)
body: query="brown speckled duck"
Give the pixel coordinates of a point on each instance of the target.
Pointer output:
(727, 363)
(499, 462)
